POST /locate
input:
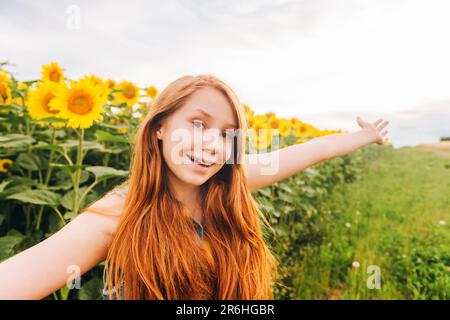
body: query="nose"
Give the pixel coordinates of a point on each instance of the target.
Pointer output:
(210, 142)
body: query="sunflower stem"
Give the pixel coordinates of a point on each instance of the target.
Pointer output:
(27, 220)
(78, 172)
(59, 215)
(87, 190)
(105, 163)
(47, 178)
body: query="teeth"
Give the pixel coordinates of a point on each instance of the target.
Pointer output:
(195, 160)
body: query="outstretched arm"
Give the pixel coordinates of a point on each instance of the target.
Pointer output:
(45, 267)
(263, 169)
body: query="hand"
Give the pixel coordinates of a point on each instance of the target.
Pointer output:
(374, 129)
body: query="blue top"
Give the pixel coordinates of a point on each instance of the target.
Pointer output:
(200, 230)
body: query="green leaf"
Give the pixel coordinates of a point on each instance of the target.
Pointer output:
(67, 200)
(64, 181)
(285, 188)
(265, 192)
(28, 161)
(103, 173)
(41, 197)
(91, 290)
(50, 147)
(17, 184)
(106, 136)
(53, 119)
(7, 245)
(68, 144)
(15, 140)
(69, 215)
(65, 185)
(285, 197)
(89, 145)
(4, 184)
(69, 167)
(109, 150)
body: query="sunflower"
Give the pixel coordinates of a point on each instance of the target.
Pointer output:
(269, 115)
(294, 121)
(302, 129)
(5, 93)
(248, 110)
(285, 127)
(263, 141)
(279, 124)
(52, 72)
(152, 92)
(4, 76)
(259, 126)
(250, 120)
(260, 133)
(122, 130)
(17, 100)
(128, 95)
(82, 103)
(5, 164)
(144, 106)
(38, 102)
(22, 86)
(111, 83)
(99, 82)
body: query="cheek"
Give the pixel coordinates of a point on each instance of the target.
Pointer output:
(226, 152)
(229, 146)
(175, 146)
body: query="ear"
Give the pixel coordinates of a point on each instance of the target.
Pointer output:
(159, 131)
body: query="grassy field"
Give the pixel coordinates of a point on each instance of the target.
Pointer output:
(396, 218)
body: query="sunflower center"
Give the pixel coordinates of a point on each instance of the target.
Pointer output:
(5, 165)
(302, 129)
(81, 104)
(3, 91)
(129, 93)
(55, 76)
(274, 125)
(46, 102)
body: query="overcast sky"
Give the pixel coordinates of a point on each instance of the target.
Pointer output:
(323, 61)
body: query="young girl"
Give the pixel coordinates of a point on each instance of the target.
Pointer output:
(185, 224)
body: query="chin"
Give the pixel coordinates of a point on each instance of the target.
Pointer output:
(194, 179)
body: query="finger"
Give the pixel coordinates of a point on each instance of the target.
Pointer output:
(384, 133)
(383, 125)
(360, 121)
(377, 122)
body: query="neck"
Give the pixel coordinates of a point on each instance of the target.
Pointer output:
(189, 195)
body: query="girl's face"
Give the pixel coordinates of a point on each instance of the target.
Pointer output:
(202, 130)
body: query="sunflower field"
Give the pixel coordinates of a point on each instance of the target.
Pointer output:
(64, 143)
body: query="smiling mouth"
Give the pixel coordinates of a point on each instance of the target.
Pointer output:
(199, 162)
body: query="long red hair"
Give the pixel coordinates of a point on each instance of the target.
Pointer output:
(156, 252)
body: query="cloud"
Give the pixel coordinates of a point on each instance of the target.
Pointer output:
(421, 124)
(295, 57)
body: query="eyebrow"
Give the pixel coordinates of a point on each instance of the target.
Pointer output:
(206, 114)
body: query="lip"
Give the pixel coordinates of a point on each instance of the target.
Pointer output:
(197, 166)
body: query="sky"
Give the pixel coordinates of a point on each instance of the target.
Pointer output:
(322, 61)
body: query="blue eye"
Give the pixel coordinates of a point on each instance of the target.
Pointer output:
(197, 121)
(226, 134)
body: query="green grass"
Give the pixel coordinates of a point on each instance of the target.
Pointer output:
(392, 217)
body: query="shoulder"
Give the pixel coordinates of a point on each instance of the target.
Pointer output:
(110, 206)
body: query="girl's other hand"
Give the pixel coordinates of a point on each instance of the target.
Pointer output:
(374, 129)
